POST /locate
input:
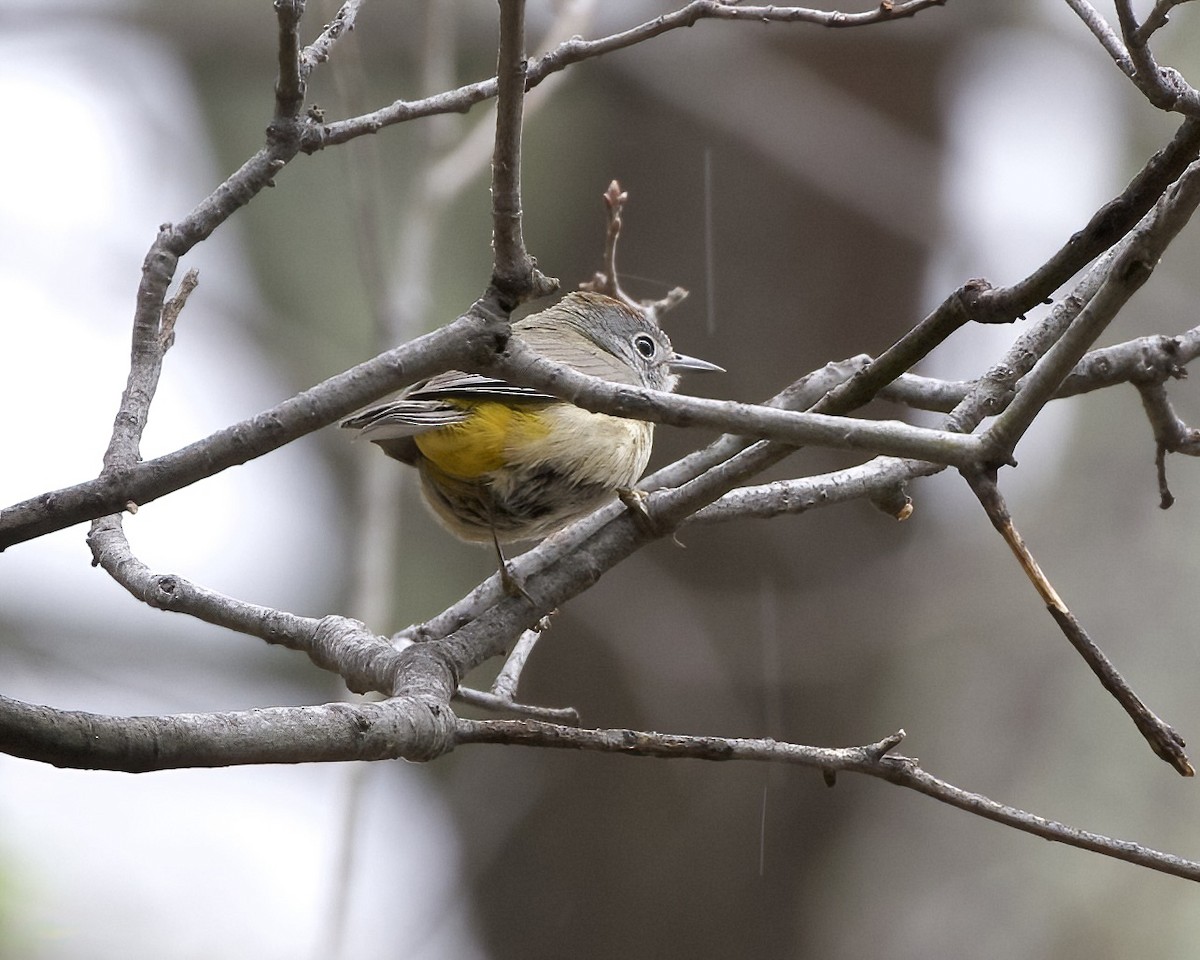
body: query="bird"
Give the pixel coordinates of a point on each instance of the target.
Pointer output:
(502, 463)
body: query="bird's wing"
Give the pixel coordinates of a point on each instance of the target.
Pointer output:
(473, 386)
(429, 405)
(404, 417)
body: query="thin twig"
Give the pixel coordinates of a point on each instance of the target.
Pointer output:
(319, 135)
(128, 478)
(174, 307)
(1170, 432)
(289, 86)
(514, 273)
(1153, 359)
(692, 13)
(509, 677)
(874, 760)
(885, 479)
(1162, 738)
(1171, 435)
(497, 704)
(520, 364)
(977, 300)
(1130, 269)
(339, 644)
(318, 51)
(607, 281)
(1166, 499)
(1157, 357)
(876, 480)
(1156, 19)
(1164, 87)
(1104, 33)
(453, 171)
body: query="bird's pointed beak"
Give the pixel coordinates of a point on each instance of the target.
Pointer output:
(680, 362)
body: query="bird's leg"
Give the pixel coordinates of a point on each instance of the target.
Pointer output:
(512, 586)
(635, 503)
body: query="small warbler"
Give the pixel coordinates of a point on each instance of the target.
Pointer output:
(501, 462)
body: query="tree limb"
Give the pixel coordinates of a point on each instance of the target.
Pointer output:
(407, 728)
(514, 273)
(1130, 268)
(874, 760)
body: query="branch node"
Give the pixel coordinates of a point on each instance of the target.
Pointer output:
(877, 751)
(170, 314)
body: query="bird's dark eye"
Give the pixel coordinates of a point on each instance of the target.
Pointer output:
(645, 345)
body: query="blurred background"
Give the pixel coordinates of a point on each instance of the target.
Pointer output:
(818, 192)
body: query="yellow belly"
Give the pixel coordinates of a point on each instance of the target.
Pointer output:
(522, 471)
(583, 447)
(479, 445)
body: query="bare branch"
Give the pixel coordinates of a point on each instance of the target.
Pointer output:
(1162, 738)
(1104, 33)
(174, 307)
(344, 646)
(1171, 434)
(454, 169)
(1166, 499)
(1164, 87)
(1131, 268)
(466, 343)
(1156, 19)
(317, 407)
(408, 728)
(608, 280)
(490, 701)
(873, 481)
(977, 300)
(521, 365)
(692, 13)
(318, 136)
(514, 272)
(289, 87)
(1107, 225)
(874, 760)
(886, 479)
(509, 677)
(318, 51)
(1152, 359)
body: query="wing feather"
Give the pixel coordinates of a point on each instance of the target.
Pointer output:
(404, 418)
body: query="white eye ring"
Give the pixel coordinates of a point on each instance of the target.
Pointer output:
(645, 345)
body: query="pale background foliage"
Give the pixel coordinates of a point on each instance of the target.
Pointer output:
(855, 178)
